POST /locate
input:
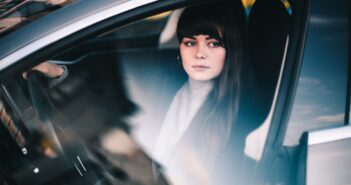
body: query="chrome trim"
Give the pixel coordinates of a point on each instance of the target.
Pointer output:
(70, 29)
(81, 163)
(328, 135)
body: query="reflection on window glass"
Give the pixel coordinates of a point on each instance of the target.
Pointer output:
(122, 108)
(321, 92)
(150, 25)
(15, 13)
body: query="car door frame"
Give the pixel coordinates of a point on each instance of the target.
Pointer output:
(286, 92)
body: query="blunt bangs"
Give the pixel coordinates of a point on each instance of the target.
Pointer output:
(200, 20)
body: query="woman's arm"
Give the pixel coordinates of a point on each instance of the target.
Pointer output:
(54, 72)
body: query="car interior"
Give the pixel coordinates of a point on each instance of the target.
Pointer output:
(113, 81)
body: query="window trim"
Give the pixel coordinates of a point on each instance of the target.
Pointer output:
(285, 99)
(348, 92)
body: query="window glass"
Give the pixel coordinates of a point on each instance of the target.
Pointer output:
(16, 13)
(141, 34)
(148, 26)
(121, 108)
(321, 91)
(248, 4)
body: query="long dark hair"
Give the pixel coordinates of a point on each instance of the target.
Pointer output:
(225, 23)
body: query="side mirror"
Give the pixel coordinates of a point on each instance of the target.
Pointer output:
(325, 157)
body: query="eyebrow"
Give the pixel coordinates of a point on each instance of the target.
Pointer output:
(207, 38)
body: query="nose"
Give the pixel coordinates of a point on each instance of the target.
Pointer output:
(200, 52)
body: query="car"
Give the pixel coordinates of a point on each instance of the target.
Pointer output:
(100, 124)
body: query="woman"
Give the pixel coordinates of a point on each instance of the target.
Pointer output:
(199, 121)
(198, 124)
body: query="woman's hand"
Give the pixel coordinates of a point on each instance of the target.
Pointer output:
(50, 70)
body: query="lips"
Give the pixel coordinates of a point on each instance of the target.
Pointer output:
(200, 66)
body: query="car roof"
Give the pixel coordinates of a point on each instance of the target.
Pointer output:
(68, 19)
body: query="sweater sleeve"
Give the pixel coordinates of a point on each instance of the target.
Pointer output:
(55, 81)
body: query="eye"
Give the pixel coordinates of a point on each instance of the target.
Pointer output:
(214, 44)
(189, 43)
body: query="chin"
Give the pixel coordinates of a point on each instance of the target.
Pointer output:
(200, 78)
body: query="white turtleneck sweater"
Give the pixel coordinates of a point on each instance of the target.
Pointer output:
(181, 112)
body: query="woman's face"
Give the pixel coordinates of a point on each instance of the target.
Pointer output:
(202, 57)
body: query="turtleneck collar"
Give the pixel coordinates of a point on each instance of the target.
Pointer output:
(199, 88)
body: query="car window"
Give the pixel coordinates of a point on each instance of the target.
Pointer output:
(14, 14)
(127, 37)
(101, 121)
(321, 91)
(148, 26)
